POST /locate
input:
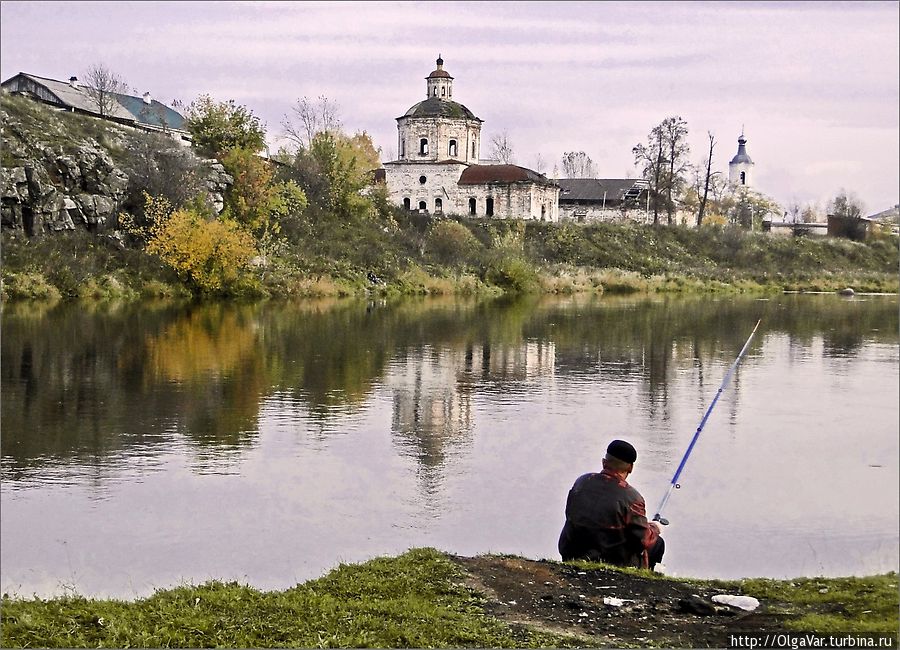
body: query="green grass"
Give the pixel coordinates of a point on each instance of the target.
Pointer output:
(414, 600)
(834, 605)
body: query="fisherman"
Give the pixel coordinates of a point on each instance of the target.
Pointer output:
(606, 519)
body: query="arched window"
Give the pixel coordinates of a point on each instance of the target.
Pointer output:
(434, 94)
(543, 212)
(472, 206)
(406, 203)
(473, 148)
(443, 92)
(402, 148)
(489, 210)
(452, 149)
(422, 180)
(438, 205)
(423, 207)
(743, 178)
(423, 146)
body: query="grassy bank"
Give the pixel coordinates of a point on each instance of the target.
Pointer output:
(465, 257)
(419, 599)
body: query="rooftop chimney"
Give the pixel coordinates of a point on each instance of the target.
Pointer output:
(73, 81)
(147, 98)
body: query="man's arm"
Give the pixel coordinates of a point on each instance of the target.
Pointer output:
(643, 532)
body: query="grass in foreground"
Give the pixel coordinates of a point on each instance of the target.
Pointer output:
(414, 600)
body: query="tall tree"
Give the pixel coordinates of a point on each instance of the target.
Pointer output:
(218, 127)
(309, 118)
(577, 164)
(102, 85)
(677, 148)
(706, 182)
(650, 157)
(502, 148)
(540, 164)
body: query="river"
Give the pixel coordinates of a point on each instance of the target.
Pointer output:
(150, 445)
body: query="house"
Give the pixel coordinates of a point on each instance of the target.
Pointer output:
(143, 112)
(603, 199)
(439, 169)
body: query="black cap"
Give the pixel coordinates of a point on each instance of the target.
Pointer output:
(621, 450)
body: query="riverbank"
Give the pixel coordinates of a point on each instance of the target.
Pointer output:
(607, 258)
(425, 598)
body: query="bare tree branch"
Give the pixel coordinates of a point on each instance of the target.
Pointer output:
(101, 85)
(502, 148)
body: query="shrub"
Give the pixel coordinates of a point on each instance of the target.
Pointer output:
(32, 286)
(209, 255)
(452, 243)
(512, 273)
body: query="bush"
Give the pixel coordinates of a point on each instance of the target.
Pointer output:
(210, 255)
(452, 243)
(512, 273)
(31, 286)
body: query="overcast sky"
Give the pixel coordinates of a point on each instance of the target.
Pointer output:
(815, 85)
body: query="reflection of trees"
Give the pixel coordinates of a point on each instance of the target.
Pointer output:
(84, 386)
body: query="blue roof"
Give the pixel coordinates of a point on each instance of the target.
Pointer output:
(155, 114)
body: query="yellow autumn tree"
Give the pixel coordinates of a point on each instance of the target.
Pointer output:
(209, 255)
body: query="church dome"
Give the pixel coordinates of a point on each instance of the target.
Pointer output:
(434, 107)
(741, 156)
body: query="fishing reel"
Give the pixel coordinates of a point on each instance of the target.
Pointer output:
(662, 520)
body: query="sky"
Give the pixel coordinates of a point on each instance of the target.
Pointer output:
(814, 86)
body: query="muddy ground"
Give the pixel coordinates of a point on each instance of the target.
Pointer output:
(570, 600)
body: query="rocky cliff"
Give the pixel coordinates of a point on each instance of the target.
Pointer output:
(61, 171)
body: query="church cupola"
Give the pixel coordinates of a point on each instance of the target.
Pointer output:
(740, 167)
(439, 83)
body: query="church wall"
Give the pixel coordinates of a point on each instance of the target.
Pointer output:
(439, 131)
(597, 213)
(511, 200)
(440, 183)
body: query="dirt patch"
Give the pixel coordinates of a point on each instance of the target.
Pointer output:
(609, 608)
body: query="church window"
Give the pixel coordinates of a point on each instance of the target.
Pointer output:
(443, 92)
(423, 146)
(438, 205)
(473, 148)
(743, 178)
(489, 209)
(406, 203)
(452, 149)
(402, 148)
(543, 212)
(472, 206)
(422, 180)
(423, 207)
(434, 93)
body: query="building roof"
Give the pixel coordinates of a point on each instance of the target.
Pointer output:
(154, 114)
(434, 107)
(741, 156)
(599, 189)
(77, 98)
(483, 174)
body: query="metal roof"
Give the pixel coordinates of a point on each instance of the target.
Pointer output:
(78, 98)
(434, 107)
(483, 174)
(741, 156)
(598, 189)
(155, 114)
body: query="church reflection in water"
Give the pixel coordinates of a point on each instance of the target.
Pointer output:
(433, 390)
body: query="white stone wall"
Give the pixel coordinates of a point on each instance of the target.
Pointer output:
(734, 173)
(511, 201)
(438, 131)
(403, 181)
(592, 214)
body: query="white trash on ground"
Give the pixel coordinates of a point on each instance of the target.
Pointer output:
(748, 603)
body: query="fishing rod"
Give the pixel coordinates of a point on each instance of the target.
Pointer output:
(674, 485)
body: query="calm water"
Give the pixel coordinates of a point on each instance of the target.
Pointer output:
(146, 446)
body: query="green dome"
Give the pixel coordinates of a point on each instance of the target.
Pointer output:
(434, 107)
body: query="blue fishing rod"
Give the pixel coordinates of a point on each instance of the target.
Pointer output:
(674, 485)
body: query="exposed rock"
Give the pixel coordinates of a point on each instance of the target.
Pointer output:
(52, 181)
(695, 605)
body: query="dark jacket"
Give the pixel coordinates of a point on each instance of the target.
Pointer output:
(606, 521)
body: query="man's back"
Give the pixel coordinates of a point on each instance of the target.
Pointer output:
(605, 521)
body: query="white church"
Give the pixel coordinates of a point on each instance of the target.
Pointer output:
(439, 169)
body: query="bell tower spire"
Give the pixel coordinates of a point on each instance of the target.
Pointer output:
(439, 83)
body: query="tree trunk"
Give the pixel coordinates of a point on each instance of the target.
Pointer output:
(712, 143)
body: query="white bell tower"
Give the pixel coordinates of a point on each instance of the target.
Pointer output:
(740, 169)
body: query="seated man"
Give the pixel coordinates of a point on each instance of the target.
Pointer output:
(606, 520)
